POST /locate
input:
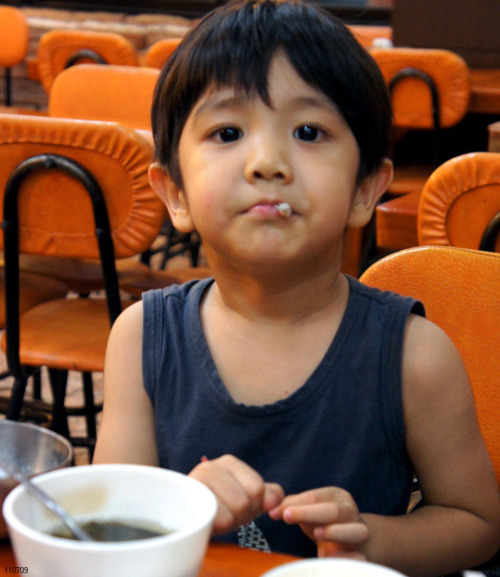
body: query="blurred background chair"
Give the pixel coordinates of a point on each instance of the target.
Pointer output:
(73, 189)
(460, 289)
(33, 290)
(60, 49)
(430, 93)
(159, 52)
(14, 43)
(124, 94)
(114, 93)
(460, 203)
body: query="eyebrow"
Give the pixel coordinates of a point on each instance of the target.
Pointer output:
(233, 101)
(214, 104)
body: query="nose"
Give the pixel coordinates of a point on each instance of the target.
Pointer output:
(268, 159)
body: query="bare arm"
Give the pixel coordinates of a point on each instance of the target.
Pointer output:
(126, 434)
(459, 525)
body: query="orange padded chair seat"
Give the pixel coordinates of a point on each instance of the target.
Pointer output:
(56, 219)
(14, 36)
(58, 46)
(460, 289)
(121, 94)
(60, 221)
(35, 289)
(76, 334)
(412, 100)
(159, 52)
(14, 43)
(459, 200)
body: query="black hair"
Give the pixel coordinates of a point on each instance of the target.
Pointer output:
(234, 45)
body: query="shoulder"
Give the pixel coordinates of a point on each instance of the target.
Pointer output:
(382, 297)
(434, 375)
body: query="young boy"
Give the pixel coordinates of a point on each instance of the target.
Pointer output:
(305, 400)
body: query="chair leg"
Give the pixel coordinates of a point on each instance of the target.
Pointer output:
(8, 87)
(37, 385)
(90, 408)
(58, 383)
(16, 399)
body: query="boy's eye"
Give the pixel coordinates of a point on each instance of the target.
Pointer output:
(229, 134)
(307, 132)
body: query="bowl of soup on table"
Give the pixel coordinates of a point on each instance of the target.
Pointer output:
(165, 517)
(31, 449)
(331, 567)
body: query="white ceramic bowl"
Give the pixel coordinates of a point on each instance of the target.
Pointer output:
(130, 493)
(329, 567)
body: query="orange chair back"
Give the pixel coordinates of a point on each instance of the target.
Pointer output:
(460, 289)
(459, 201)
(115, 93)
(14, 36)
(57, 47)
(411, 98)
(159, 52)
(58, 219)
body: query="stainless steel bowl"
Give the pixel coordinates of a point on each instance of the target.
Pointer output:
(32, 449)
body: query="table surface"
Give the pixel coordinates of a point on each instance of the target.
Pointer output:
(485, 90)
(221, 560)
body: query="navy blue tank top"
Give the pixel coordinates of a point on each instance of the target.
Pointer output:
(343, 427)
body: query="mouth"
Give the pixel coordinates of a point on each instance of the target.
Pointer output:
(272, 209)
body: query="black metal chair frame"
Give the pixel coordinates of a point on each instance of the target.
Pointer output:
(10, 225)
(411, 72)
(84, 54)
(490, 234)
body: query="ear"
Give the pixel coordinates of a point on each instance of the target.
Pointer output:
(174, 198)
(368, 193)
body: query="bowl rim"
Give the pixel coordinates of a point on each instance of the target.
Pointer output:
(334, 562)
(61, 542)
(16, 424)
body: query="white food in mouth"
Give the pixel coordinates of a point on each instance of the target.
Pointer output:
(284, 209)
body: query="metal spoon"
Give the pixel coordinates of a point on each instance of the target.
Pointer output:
(48, 502)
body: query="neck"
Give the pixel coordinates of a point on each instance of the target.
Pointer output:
(278, 297)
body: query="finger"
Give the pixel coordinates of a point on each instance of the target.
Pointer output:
(321, 514)
(273, 495)
(306, 498)
(240, 490)
(353, 534)
(323, 494)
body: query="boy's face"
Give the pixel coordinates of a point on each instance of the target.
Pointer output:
(239, 158)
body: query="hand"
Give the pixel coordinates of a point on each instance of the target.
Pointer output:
(330, 517)
(241, 492)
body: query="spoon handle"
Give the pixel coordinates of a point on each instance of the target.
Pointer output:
(49, 503)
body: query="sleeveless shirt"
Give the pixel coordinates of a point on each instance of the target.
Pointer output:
(343, 427)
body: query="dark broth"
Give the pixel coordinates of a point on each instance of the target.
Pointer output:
(114, 531)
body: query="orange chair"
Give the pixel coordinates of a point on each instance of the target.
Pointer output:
(60, 49)
(75, 189)
(14, 42)
(460, 204)
(430, 92)
(115, 93)
(460, 289)
(159, 52)
(122, 94)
